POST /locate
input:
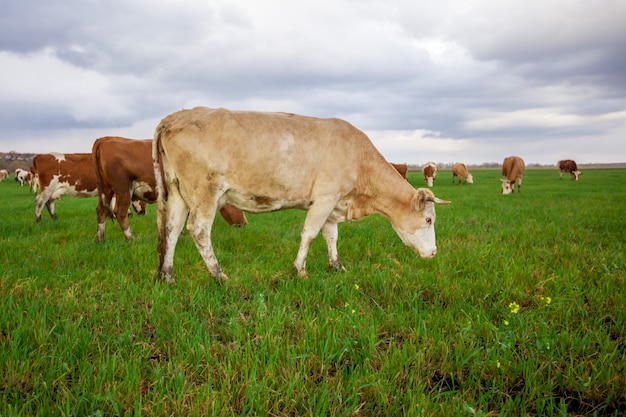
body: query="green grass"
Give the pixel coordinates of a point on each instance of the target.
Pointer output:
(86, 329)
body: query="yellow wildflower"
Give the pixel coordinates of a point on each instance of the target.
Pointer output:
(353, 311)
(506, 322)
(356, 286)
(346, 305)
(546, 300)
(514, 307)
(498, 364)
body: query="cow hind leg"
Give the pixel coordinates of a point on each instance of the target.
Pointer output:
(199, 224)
(102, 214)
(121, 214)
(170, 222)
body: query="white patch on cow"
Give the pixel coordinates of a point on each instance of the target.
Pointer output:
(418, 231)
(507, 186)
(58, 156)
(112, 203)
(286, 144)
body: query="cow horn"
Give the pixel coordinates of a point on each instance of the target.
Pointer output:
(437, 200)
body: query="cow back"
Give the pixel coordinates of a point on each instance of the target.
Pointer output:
(75, 169)
(269, 158)
(512, 168)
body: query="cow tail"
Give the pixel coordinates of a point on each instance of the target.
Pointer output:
(161, 189)
(104, 202)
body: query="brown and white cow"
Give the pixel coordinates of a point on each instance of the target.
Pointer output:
(4, 174)
(459, 171)
(261, 162)
(430, 173)
(58, 174)
(125, 176)
(512, 172)
(567, 165)
(403, 169)
(23, 177)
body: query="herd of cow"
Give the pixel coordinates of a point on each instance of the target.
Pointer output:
(203, 160)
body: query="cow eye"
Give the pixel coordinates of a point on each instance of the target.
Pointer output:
(429, 220)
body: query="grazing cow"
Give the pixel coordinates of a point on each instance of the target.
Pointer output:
(402, 169)
(125, 176)
(4, 174)
(459, 170)
(567, 165)
(430, 173)
(57, 174)
(512, 171)
(261, 162)
(22, 176)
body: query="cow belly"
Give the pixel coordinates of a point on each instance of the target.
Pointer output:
(255, 203)
(62, 189)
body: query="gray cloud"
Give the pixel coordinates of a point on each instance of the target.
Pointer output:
(444, 81)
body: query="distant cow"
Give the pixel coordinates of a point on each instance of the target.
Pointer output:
(4, 174)
(512, 171)
(58, 174)
(260, 162)
(402, 169)
(125, 175)
(459, 170)
(430, 173)
(567, 165)
(23, 177)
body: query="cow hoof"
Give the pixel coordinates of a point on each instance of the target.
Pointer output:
(168, 279)
(301, 272)
(221, 278)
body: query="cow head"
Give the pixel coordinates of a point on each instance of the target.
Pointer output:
(470, 179)
(416, 228)
(576, 174)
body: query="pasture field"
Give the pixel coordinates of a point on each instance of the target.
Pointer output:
(522, 311)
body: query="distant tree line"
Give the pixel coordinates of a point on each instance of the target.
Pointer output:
(13, 160)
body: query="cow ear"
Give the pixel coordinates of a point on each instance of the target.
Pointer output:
(418, 202)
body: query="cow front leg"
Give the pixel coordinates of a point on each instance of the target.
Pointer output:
(50, 207)
(315, 219)
(39, 203)
(330, 231)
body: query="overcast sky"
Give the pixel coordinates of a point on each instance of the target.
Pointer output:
(471, 81)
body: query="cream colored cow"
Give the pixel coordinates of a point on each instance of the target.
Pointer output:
(459, 171)
(260, 162)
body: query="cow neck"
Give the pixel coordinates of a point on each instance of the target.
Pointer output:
(382, 191)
